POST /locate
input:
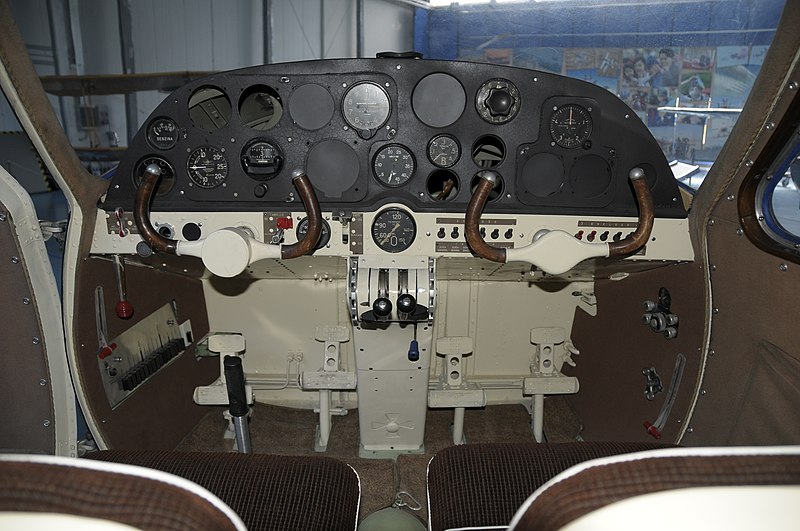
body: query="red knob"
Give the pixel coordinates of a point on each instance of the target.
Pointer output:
(124, 310)
(106, 351)
(652, 430)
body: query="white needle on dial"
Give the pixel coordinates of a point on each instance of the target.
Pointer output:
(390, 234)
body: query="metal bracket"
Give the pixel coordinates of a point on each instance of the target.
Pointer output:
(653, 384)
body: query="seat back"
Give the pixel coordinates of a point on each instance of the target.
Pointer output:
(129, 495)
(595, 484)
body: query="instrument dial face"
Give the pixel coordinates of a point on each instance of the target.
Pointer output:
(162, 133)
(394, 230)
(444, 151)
(394, 165)
(570, 126)
(366, 106)
(207, 167)
(167, 180)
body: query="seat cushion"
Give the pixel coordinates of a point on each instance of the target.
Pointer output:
(268, 492)
(482, 485)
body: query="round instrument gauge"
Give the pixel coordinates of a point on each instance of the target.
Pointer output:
(394, 230)
(167, 180)
(324, 235)
(394, 165)
(570, 126)
(207, 167)
(162, 133)
(444, 151)
(366, 106)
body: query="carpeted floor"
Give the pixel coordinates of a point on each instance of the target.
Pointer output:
(287, 431)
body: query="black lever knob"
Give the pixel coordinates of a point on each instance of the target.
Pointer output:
(382, 307)
(406, 303)
(499, 102)
(234, 378)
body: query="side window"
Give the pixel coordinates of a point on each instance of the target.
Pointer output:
(778, 197)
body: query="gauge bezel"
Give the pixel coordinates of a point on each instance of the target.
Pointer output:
(584, 136)
(153, 143)
(393, 249)
(455, 141)
(191, 173)
(390, 146)
(324, 233)
(346, 111)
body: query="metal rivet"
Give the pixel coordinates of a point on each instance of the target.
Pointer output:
(2, 216)
(730, 197)
(46, 423)
(627, 116)
(26, 300)
(770, 126)
(716, 310)
(710, 221)
(748, 163)
(739, 232)
(713, 267)
(36, 340)
(711, 352)
(42, 382)
(793, 85)
(15, 259)
(783, 267)
(689, 430)
(702, 392)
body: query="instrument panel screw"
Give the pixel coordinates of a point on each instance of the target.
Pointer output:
(42, 382)
(689, 430)
(399, 67)
(793, 85)
(716, 311)
(15, 259)
(702, 392)
(627, 116)
(46, 423)
(713, 267)
(770, 126)
(710, 221)
(783, 267)
(711, 352)
(730, 197)
(739, 232)
(36, 340)
(748, 163)
(26, 300)
(2, 216)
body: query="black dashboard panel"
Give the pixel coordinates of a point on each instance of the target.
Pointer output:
(377, 131)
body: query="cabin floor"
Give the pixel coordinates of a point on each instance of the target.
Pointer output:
(288, 431)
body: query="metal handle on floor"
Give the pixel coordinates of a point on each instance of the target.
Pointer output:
(237, 398)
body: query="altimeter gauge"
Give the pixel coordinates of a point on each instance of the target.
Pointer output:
(207, 167)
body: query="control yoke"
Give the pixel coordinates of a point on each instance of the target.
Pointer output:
(556, 251)
(227, 252)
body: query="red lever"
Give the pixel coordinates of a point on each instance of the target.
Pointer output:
(284, 223)
(106, 351)
(123, 309)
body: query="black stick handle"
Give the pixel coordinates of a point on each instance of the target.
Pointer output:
(234, 378)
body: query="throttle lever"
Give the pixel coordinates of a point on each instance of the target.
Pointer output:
(237, 400)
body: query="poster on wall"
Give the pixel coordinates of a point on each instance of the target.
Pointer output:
(499, 56)
(733, 77)
(651, 67)
(600, 66)
(546, 59)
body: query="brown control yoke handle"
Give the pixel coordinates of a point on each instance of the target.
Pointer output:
(228, 251)
(556, 251)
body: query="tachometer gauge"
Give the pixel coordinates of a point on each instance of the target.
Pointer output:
(394, 230)
(444, 151)
(162, 133)
(207, 167)
(366, 106)
(167, 180)
(570, 126)
(394, 165)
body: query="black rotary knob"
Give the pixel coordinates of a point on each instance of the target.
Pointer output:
(382, 307)
(499, 102)
(406, 303)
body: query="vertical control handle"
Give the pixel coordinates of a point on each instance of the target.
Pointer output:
(237, 400)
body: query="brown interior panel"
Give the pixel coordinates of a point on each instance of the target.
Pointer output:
(160, 412)
(615, 347)
(26, 415)
(755, 343)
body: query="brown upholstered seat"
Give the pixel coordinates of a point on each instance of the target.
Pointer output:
(268, 492)
(134, 496)
(483, 485)
(596, 484)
